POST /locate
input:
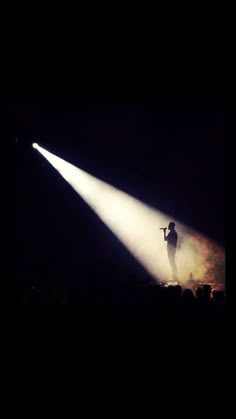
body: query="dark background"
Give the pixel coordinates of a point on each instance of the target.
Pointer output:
(169, 153)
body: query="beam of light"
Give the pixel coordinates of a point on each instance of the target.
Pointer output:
(35, 145)
(137, 226)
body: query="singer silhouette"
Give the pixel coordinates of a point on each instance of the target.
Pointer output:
(171, 239)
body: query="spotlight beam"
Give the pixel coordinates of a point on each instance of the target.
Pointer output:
(137, 226)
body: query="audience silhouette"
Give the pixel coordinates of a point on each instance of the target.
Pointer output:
(114, 303)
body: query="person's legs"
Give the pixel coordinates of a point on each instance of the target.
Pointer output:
(171, 257)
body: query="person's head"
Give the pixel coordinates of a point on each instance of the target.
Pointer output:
(218, 296)
(178, 290)
(207, 291)
(199, 292)
(171, 226)
(188, 295)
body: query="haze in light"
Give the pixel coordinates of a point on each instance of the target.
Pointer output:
(137, 226)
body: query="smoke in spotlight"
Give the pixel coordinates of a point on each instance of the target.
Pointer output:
(137, 226)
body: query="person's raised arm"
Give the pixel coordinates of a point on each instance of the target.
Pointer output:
(165, 236)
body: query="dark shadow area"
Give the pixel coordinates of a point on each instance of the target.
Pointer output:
(111, 303)
(65, 267)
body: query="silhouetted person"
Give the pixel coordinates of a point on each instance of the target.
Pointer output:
(218, 297)
(207, 292)
(171, 239)
(199, 293)
(188, 296)
(178, 291)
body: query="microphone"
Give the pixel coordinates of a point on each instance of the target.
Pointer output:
(163, 228)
